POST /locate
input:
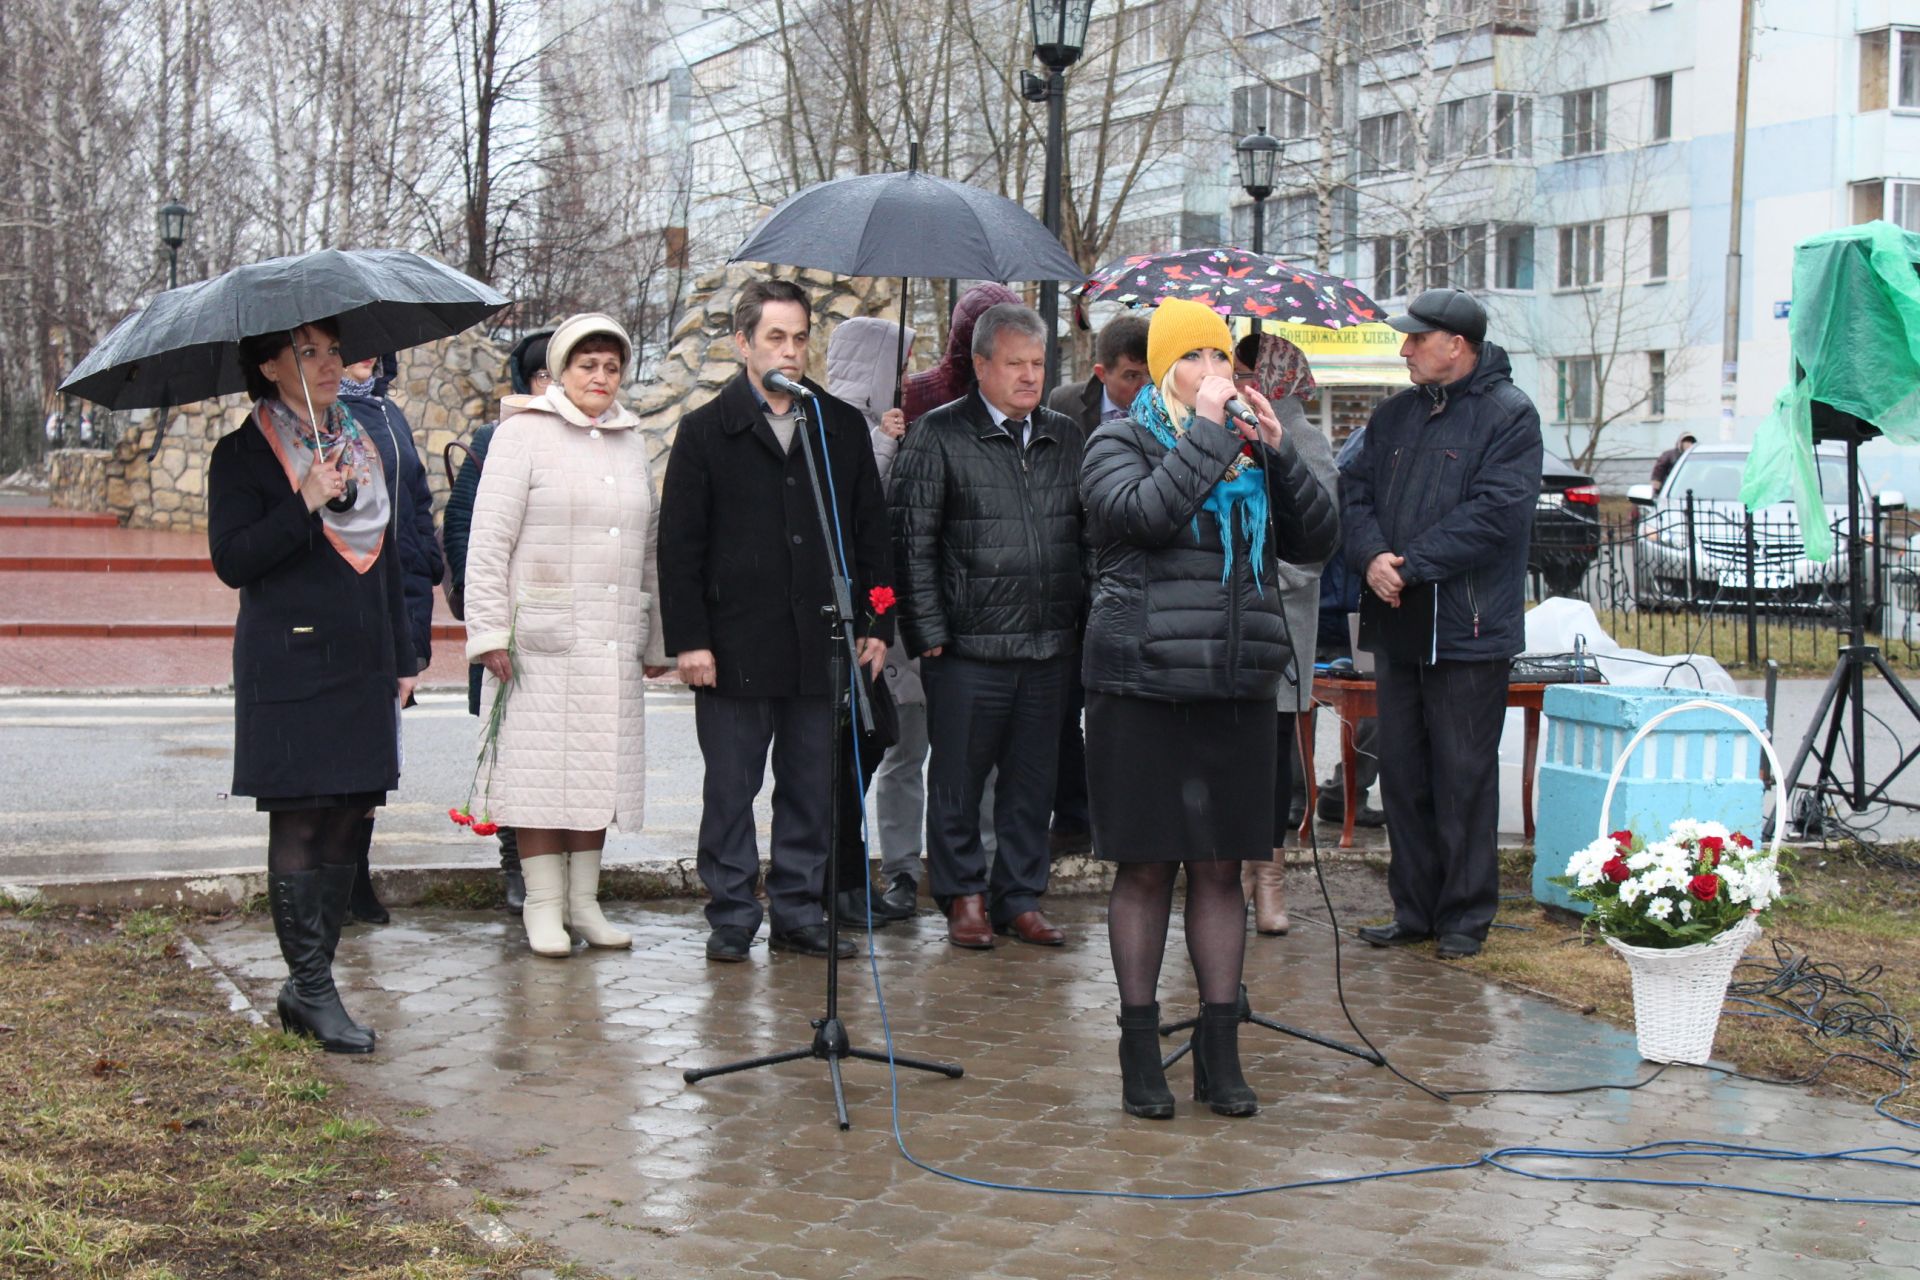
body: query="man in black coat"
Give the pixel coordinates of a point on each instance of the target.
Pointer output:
(1438, 510)
(744, 576)
(986, 527)
(1119, 371)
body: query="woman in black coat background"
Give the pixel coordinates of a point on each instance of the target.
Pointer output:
(299, 520)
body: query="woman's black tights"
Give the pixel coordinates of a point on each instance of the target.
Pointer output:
(1216, 927)
(307, 839)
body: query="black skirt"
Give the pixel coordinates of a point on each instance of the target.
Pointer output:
(1181, 781)
(349, 800)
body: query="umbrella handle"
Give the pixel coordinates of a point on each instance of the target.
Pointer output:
(900, 343)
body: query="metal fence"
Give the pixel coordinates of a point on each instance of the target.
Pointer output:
(1715, 580)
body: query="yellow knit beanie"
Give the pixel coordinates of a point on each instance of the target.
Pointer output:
(1180, 326)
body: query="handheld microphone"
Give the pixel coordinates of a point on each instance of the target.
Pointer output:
(774, 380)
(1238, 408)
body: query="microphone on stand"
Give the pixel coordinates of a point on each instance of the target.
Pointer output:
(774, 380)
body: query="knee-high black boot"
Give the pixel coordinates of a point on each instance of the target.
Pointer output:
(510, 870)
(308, 909)
(1216, 1063)
(1143, 1082)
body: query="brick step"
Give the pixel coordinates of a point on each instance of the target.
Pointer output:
(105, 564)
(158, 630)
(47, 517)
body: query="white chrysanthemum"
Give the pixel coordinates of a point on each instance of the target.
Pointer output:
(1632, 890)
(1586, 863)
(1642, 860)
(1686, 908)
(1659, 908)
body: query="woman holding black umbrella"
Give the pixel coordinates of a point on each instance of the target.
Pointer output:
(299, 520)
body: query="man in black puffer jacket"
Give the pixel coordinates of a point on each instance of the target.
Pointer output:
(986, 529)
(1438, 510)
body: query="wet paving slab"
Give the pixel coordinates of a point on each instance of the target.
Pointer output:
(565, 1077)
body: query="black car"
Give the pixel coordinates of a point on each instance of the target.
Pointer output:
(1566, 528)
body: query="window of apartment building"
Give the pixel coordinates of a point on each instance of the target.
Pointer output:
(1656, 384)
(1389, 266)
(1386, 144)
(1512, 126)
(1583, 252)
(1889, 58)
(1895, 200)
(1291, 108)
(1255, 16)
(1582, 11)
(1250, 109)
(1457, 257)
(1513, 258)
(1662, 108)
(1144, 33)
(1657, 225)
(1459, 129)
(1583, 122)
(1574, 379)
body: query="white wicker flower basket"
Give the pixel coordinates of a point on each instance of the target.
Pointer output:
(1678, 992)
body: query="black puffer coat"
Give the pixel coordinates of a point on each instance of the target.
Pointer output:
(1163, 624)
(986, 535)
(1452, 490)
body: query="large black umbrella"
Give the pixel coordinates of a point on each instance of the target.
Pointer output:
(185, 345)
(908, 224)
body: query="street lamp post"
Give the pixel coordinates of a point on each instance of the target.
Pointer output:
(1259, 155)
(1059, 35)
(173, 233)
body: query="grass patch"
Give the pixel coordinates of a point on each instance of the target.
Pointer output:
(148, 1134)
(1802, 646)
(465, 893)
(1843, 909)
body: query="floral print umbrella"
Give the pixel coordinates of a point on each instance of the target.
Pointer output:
(1234, 283)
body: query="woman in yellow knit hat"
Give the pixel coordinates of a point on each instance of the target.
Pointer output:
(1189, 511)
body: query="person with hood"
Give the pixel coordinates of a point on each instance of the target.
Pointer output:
(864, 367)
(954, 377)
(527, 373)
(563, 610)
(1439, 508)
(1663, 465)
(363, 389)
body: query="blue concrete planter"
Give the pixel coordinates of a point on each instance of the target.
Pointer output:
(1698, 764)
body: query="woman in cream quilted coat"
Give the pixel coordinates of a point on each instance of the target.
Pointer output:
(561, 564)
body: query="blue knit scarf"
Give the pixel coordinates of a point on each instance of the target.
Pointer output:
(1238, 500)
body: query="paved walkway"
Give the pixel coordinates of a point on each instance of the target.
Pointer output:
(565, 1077)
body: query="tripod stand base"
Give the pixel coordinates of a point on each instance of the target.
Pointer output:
(830, 1044)
(1247, 1015)
(1840, 720)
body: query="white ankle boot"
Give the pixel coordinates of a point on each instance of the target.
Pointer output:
(543, 916)
(583, 902)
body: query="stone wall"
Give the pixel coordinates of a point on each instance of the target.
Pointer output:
(449, 388)
(446, 389)
(77, 478)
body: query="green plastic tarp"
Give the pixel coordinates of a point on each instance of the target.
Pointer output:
(1855, 333)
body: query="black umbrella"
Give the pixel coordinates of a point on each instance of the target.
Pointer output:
(908, 224)
(185, 345)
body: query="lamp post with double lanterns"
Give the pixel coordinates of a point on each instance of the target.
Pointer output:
(1259, 156)
(1059, 36)
(173, 233)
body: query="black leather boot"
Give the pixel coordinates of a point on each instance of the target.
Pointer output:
(364, 905)
(1143, 1082)
(1216, 1063)
(510, 870)
(308, 910)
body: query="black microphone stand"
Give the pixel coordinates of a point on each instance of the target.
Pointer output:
(830, 1040)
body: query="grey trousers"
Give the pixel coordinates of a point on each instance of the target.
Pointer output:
(900, 800)
(734, 735)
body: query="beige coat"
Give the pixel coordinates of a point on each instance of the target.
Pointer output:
(562, 554)
(1300, 583)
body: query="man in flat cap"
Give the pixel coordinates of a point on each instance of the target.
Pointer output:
(1438, 510)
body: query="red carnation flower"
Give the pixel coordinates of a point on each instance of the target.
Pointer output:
(460, 817)
(1622, 838)
(1742, 841)
(1705, 888)
(881, 598)
(485, 828)
(1712, 843)
(1616, 869)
